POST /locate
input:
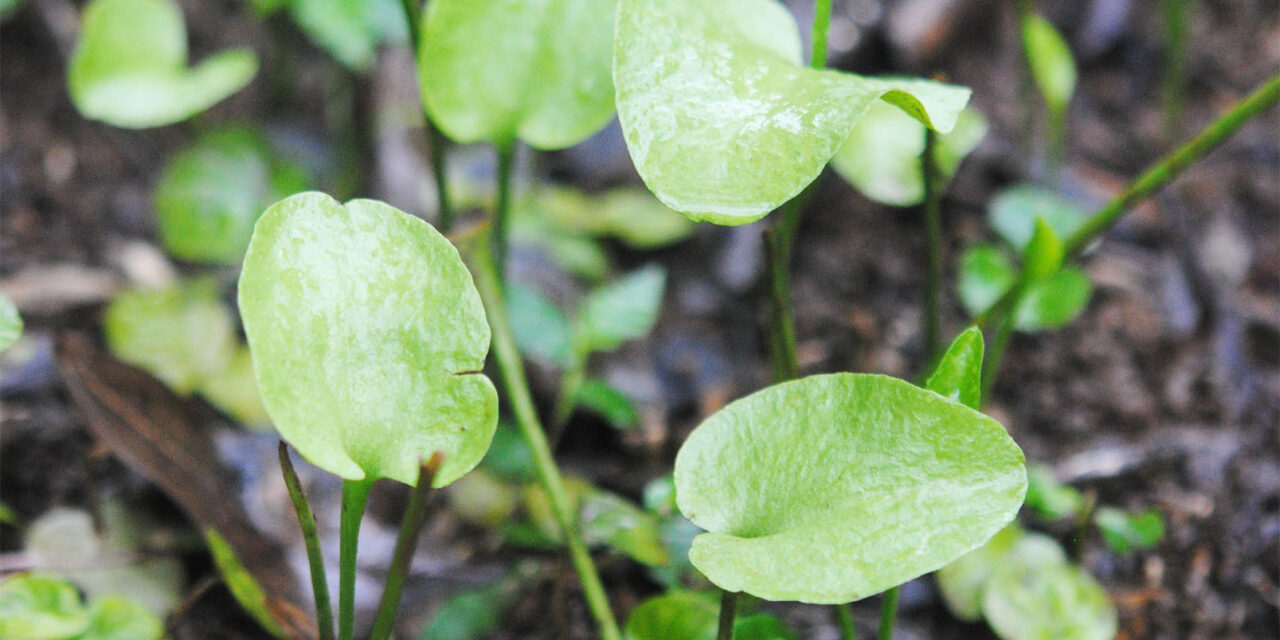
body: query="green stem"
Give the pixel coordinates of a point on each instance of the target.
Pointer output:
(570, 385)
(844, 620)
(502, 211)
(410, 529)
(821, 23)
(311, 539)
(995, 354)
(1176, 23)
(1174, 163)
(355, 494)
(1057, 143)
(933, 240)
(888, 614)
(435, 138)
(728, 613)
(513, 378)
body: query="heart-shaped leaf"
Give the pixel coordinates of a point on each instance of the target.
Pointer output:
(129, 68)
(211, 194)
(536, 70)
(958, 375)
(1049, 58)
(720, 118)
(835, 487)
(882, 157)
(368, 337)
(10, 323)
(1014, 212)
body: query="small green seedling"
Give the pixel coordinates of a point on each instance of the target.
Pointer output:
(1126, 532)
(38, 606)
(786, 479)
(1049, 499)
(1053, 70)
(686, 615)
(211, 193)
(350, 31)
(630, 215)
(10, 323)
(129, 68)
(720, 118)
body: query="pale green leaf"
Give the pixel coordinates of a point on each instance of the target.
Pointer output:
(623, 310)
(788, 479)
(1125, 532)
(639, 220)
(964, 581)
(350, 30)
(38, 606)
(234, 390)
(599, 397)
(882, 157)
(1050, 499)
(241, 583)
(1014, 212)
(10, 323)
(958, 375)
(368, 339)
(604, 518)
(129, 67)
(1054, 301)
(720, 118)
(985, 274)
(183, 334)
(212, 192)
(1034, 594)
(541, 330)
(1049, 58)
(117, 618)
(534, 70)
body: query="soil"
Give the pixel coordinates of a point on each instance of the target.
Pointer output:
(1165, 394)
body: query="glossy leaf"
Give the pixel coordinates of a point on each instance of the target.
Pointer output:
(212, 192)
(541, 331)
(1049, 58)
(350, 31)
(609, 403)
(1043, 254)
(964, 582)
(622, 310)
(1055, 301)
(1034, 593)
(10, 323)
(1050, 499)
(882, 157)
(1014, 212)
(985, 274)
(958, 375)
(368, 339)
(117, 618)
(183, 334)
(234, 390)
(788, 479)
(40, 607)
(722, 121)
(1126, 532)
(503, 70)
(129, 68)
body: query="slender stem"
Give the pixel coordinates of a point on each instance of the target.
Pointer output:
(888, 613)
(933, 240)
(502, 211)
(1057, 143)
(355, 494)
(995, 354)
(1173, 164)
(1176, 23)
(782, 328)
(821, 23)
(410, 528)
(844, 620)
(435, 138)
(311, 539)
(728, 613)
(513, 378)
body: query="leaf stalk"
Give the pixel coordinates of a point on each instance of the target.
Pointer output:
(355, 495)
(406, 542)
(311, 539)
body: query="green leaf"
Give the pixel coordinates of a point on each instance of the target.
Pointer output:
(471, 614)
(242, 585)
(1033, 594)
(1125, 532)
(368, 339)
(572, 251)
(964, 581)
(985, 274)
(787, 479)
(507, 69)
(212, 192)
(613, 405)
(684, 615)
(639, 220)
(1050, 499)
(1054, 301)
(958, 375)
(722, 121)
(509, 456)
(604, 518)
(623, 310)
(541, 330)
(1049, 58)
(38, 606)
(129, 68)
(10, 323)
(183, 334)
(234, 390)
(117, 618)
(350, 31)
(1014, 212)
(762, 626)
(1043, 254)
(882, 157)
